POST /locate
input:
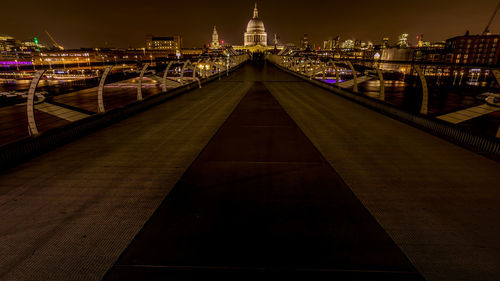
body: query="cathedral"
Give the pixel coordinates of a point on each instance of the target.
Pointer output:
(256, 32)
(255, 37)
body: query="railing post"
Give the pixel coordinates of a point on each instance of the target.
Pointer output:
(100, 90)
(324, 72)
(208, 72)
(139, 87)
(219, 68)
(183, 69)
(164, 86)
(313, 70)
(337, 75)
(32, 127)
(354, 75)
(382, 84)
(424, 109)
(200, 70)
(194, 76)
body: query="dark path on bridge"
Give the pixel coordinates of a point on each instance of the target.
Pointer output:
(260, 202)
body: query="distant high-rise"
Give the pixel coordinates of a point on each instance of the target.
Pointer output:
(385, 42)
(305, 42)
(348, 44)
(8, 43)
(328, 44)
(403, 41)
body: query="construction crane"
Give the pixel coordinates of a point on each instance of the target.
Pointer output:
(487, 29)
(54, 41)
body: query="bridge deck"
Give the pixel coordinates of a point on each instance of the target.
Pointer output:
(438, 201)
(69, 214)
(261, 202)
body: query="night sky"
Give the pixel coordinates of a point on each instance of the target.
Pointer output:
(125, 23)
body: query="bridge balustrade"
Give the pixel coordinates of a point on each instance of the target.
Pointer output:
(45, 106)
(410, 92)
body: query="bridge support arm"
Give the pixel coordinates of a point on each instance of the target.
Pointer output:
(165, 75)
(196, 78)
(139, 87)
(424, 109)
(32, 127)
(354, 75)
(324, 73)
(184, 69)
(100, 91)
(382, 84)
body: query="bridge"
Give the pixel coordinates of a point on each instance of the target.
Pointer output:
(261, 173)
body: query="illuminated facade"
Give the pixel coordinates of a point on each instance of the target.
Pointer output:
(8, 43)
(256, 34)
(171, 43)
(403, 41)
(474, 49)
(348, 44)
(215, 40)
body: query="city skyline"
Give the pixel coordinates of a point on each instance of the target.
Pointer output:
(124, 24)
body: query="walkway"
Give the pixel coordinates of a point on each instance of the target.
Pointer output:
(261, 203)
(438, 201)
(68, 214)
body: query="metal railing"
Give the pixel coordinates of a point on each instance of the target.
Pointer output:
(309, 69)
(34, 111)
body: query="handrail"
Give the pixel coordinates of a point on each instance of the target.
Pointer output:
(456, 133)
(58, 108)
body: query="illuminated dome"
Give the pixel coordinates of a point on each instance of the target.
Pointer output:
(256, 32)
(255, 25)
